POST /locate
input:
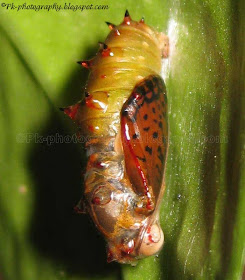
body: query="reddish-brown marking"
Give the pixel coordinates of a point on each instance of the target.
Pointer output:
(150, 238)
(93, 162)
(78, 210)
(99, 164)
(142, 20)
(103, 76)
(149, 205)
(137, 96)
(96, 200)
(149, 235)
(110, 257)
(137, 164)
(110, 25)
(140, 113)
(106, 52)
(127, 19)
(128, 248)
(89, 103)
(91, 128)
(86, 63)
(72, 111)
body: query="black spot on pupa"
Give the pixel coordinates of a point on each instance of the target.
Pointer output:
(141, 90)
(135, 136)
(145, 117)
(160, 124)
(142, 159)
(160, 155)
(154, 110)
(148, 150)
(156, 81)
(149, 84)
(155, 121)
(158, 168)
(125, 113)
(146, 128)
(155, 135)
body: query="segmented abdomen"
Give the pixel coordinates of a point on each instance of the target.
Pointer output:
(121, 196)
(130, 53)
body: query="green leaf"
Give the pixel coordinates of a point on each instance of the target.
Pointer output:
(203, 208)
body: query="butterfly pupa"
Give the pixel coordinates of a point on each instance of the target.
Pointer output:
(123, 116)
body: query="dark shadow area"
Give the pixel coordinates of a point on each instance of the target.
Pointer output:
(69, 240)
(9, 232)
(233, 156)
(210, 174)
(172, 267)
(211, 160)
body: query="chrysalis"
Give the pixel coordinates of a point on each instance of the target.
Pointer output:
(123, 115)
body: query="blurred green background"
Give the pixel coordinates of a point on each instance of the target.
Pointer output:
(203, 211)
